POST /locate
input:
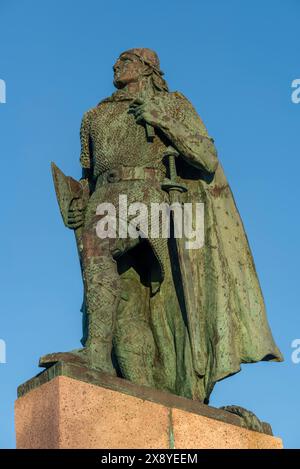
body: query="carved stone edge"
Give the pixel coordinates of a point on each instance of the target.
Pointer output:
(124, 386)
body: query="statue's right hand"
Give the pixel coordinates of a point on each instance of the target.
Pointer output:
(75, 214)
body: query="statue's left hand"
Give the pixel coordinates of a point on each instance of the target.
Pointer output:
(75, 214)
(148, 110)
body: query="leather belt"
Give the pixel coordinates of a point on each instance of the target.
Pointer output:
(130, 173)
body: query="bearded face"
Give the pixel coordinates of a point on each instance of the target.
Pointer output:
(128, 69)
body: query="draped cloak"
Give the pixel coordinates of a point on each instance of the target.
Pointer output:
(231, 317)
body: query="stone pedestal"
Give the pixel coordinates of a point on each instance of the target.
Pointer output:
(69, 406)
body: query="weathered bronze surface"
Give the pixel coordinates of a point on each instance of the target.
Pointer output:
(153, 313)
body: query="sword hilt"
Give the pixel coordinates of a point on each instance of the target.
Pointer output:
(170, 184)
(149, 132)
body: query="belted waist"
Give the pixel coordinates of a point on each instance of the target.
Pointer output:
(130, 173)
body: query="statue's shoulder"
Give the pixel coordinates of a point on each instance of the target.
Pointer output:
(90, 114)
(182, 99)
(95, 111)
(178, 95)
(173, 95)
(177, 104)
(177, 99)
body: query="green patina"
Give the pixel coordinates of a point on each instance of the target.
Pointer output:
(142, 319)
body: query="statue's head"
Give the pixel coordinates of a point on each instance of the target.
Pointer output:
(135, 64)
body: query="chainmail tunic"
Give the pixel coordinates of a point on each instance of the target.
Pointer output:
(110, 138)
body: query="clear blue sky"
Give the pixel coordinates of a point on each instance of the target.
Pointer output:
(235, 61)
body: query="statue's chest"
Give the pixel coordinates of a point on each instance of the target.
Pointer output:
(117, 139)
(114, 127)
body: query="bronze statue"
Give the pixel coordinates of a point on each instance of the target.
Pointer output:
(153, 313)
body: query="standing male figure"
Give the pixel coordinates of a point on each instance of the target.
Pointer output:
(135, 319)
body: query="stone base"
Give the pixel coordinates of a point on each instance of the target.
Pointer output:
(60, 408)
